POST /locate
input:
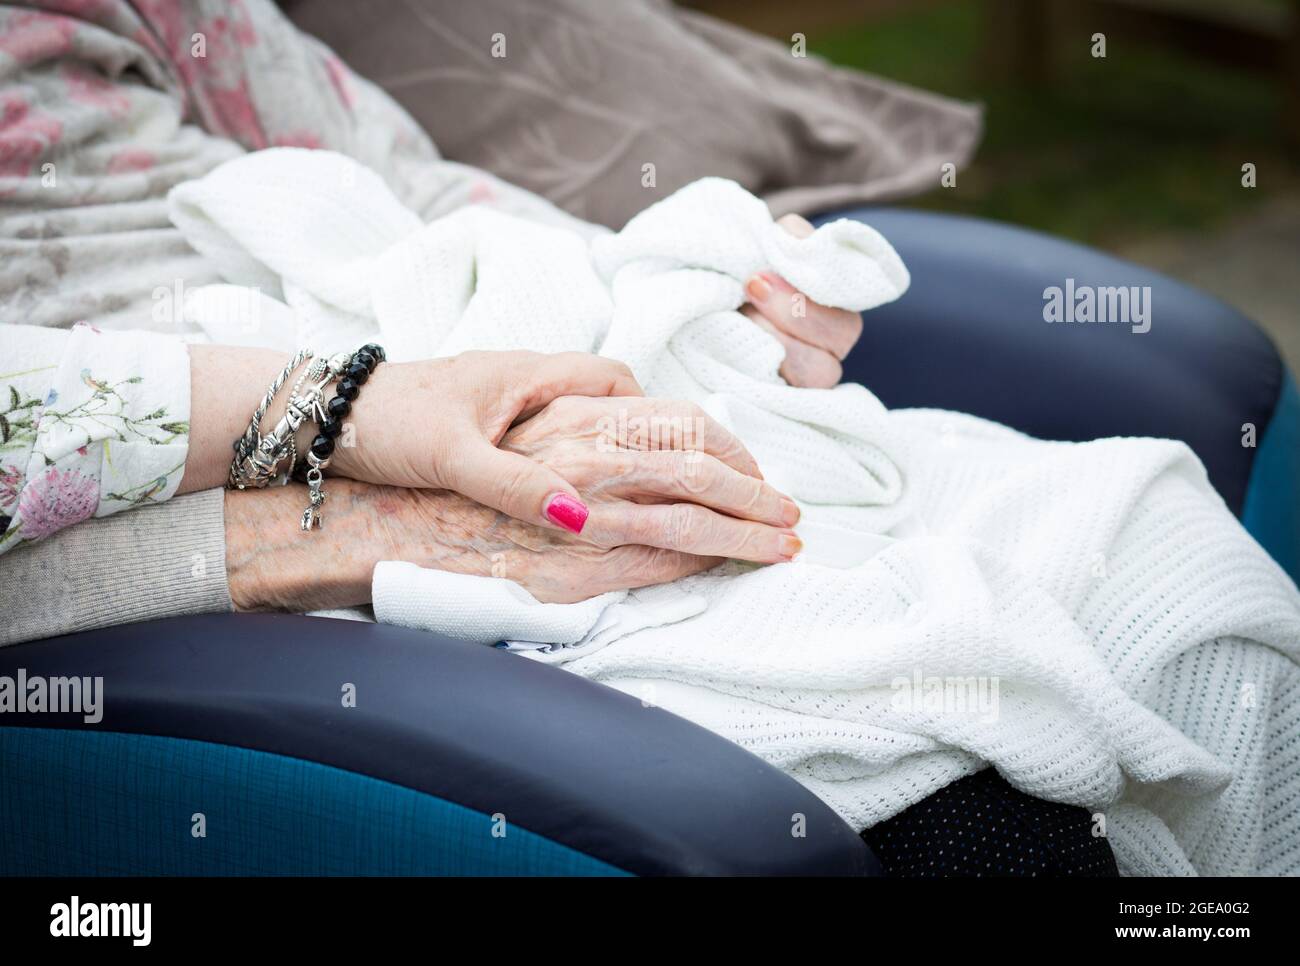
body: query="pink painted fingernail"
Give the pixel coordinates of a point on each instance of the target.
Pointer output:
(564, 511)
(758, 288)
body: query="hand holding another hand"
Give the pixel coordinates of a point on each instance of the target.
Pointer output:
(660, 473)
(437, 425)
(568, 442)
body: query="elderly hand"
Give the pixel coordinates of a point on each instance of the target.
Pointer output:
(660, 473)
(815, 337)
(272, 565)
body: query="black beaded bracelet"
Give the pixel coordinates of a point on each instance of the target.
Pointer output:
(363, 362)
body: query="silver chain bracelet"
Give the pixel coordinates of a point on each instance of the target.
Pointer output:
(258, 457)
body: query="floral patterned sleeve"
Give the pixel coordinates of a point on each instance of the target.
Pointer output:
(91, 423)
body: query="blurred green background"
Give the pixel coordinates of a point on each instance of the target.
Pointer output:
(1139, 153)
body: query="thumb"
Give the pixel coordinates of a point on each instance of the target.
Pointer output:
(519, 487)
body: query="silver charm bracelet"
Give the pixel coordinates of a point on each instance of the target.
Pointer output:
(258, 457)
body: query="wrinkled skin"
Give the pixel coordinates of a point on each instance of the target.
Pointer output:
(272, 565)
(625, 466)
(662, 474)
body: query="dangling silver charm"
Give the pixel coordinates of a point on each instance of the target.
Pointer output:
(312, 517)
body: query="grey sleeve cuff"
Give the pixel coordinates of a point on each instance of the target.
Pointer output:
(156, 561)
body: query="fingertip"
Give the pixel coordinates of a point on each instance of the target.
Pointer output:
(773, 546)
(566, 511)
(796, 224)
(758, 289)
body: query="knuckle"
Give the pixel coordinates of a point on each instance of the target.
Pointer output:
(574, 463)
(699, 472)
(522, 361)
(622, 464)
(653, 564)
(736, 538)
(563, 408)
(570, 358)
(677, 470)
(633, 525)
(756, 498)
(737, 456)
(681, 525)
(753, 541)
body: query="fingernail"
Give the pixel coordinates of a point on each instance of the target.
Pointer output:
(798, 225)
(790, 546)
(758, 288)
(776, 282)
(789, 512)
(564, 511)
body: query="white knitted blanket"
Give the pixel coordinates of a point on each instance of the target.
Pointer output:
(1089, 618)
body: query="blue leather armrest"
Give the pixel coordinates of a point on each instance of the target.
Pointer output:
(970, 335)
(571, 763)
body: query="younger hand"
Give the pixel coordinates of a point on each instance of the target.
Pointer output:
(436, 425)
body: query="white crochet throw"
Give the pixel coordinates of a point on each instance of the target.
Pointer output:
(1089, 618)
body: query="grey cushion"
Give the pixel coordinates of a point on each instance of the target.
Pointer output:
(588, 93)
